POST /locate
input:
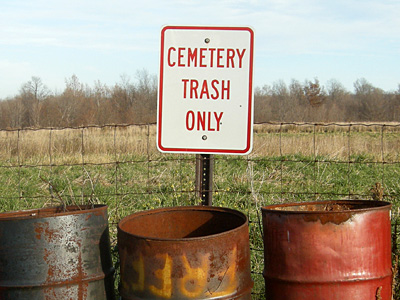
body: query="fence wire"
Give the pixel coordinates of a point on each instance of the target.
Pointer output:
(119, 165)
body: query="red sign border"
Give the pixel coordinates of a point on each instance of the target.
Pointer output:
(250, 100)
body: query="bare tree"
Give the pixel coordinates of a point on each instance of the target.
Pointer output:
(11, 113)
(101, 99)
(371, 101)
(281, 103)
(336, 90)
(123, 98)
(70, 100)
(32, 94)
(146, 97)
(262, 104)
(340, 104)
(362, 87)
(298, 108)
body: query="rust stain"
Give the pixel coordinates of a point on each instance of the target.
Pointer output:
(47, 259)
(44, 229)
(324, 218)
(49, 293)
(57, 269)
(39, 230)
(82, 289)
(378, 293)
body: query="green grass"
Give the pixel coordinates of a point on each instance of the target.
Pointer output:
(136, 183)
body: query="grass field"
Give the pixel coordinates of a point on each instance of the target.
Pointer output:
(120, 166)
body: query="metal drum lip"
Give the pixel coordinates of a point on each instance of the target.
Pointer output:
(51, 212)
(374, 205)
(184, 208)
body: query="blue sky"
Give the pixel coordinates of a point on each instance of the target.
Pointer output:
(102, 40)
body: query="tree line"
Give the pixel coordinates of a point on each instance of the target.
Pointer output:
(135, 102)
(312, 102)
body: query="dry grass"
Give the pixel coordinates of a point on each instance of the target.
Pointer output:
(63, 146)
(337, 141)
(113, 143)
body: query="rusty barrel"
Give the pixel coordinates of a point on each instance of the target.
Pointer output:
(190, 252)
(331, 250)
(56, 253)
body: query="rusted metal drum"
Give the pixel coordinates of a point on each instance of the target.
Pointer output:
(331, 250)
(55, 253)
(190, 252)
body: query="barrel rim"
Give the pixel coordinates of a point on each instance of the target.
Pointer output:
(183, 208)
(372, 205)
(53, 211)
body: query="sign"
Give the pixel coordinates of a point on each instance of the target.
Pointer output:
(205, 95)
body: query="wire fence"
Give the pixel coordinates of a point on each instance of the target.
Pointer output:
(119, 165)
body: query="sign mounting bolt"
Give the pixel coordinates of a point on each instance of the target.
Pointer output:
(204, 137)
(207, 40)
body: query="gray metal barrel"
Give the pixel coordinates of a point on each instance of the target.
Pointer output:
(55, 253)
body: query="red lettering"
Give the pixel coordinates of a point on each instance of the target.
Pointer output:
(201, 120)
(180, 57)
(229, 57)
(192, 56)
(185, 81)
(204, 90)
(205, 57)
(219, 58)
(190, 120)
(240, 56)
(218, 119)
(171, 64)
(209, 122)
(212, 50)
(194, 84)
(202, 56)
(226, 89)
(216, 95)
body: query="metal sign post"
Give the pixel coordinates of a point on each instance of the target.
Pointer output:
(204, 178)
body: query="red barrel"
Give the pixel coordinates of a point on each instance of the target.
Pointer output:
(331, 250)
(188, 252)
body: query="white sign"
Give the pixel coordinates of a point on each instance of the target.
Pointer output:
(205, 97)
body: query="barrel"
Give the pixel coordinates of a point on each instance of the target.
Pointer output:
(190, 252)
(331, 250)
(56, 253)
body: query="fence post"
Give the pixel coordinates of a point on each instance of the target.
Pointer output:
(204, 178)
